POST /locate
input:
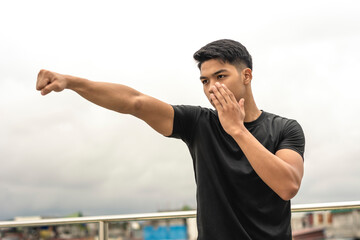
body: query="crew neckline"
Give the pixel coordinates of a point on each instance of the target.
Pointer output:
(256, 121)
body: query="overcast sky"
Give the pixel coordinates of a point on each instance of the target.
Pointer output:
(60, 154)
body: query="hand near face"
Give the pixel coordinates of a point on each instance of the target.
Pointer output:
(231, 112)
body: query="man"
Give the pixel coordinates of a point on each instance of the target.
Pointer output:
(248, 163)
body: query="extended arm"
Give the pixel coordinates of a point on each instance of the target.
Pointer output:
(117, 97)
(281, 171)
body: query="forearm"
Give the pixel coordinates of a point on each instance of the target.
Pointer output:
(117, 97)
(281, 171)
(112, 96)
(282, 177)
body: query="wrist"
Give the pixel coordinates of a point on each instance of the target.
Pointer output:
(239, 132)
(73, 83)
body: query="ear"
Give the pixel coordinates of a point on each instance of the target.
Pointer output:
(247, 75)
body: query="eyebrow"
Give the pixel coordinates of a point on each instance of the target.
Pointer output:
(214, 74)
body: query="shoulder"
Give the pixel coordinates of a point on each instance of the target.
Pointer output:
(187, 118)
(191, 108)
(275, 117)
(290, 132)
(195, 111)
(280, 121)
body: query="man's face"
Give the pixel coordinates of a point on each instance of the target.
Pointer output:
(213, 71)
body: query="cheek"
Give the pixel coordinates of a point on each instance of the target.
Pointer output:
(207, 94)
(235, 89)
(206, 91)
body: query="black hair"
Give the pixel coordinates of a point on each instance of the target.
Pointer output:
(226, 50)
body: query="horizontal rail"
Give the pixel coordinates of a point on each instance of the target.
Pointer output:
(96, 219)
(164, 215)
(312, 207)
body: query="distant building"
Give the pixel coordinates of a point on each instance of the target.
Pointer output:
(66, 231)
(337, 224)
(345, 224)
(309, 234)
(170, 229)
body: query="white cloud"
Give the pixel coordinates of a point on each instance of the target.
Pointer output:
(63, 154)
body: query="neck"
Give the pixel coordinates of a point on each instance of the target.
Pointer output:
(252, 112)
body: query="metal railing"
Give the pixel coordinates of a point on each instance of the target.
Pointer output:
(104, 221)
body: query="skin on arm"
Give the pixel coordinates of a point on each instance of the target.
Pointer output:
(282, 171)
(120, 98)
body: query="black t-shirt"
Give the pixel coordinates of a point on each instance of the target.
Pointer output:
(232, 201)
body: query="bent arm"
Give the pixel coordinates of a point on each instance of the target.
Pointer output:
(116, 97)
(282, 171)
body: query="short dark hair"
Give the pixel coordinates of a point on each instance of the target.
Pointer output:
(226, 50)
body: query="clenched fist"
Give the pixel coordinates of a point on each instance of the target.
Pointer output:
(48, 81)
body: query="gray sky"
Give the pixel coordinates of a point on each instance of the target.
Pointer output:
(60, 154)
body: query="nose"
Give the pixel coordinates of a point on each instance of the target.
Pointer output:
(211, 85)
(210, 91)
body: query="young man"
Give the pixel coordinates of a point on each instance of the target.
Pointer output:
(248, 163)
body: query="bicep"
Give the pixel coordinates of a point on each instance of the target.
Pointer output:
(156, 113)
(291, 147)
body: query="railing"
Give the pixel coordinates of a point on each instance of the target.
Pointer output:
(104, 221)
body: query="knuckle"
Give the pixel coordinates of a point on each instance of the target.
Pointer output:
(56, 86)
(43, 72)
(45, 90)
(40, 74)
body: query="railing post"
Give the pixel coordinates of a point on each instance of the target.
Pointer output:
(103, 230)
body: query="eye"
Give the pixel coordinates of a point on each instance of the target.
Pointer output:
(204, 81)
(221, 76)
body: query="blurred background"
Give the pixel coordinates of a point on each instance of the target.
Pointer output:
(60, 154)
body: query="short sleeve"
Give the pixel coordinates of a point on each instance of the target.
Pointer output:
(185, 120)
(293, 138)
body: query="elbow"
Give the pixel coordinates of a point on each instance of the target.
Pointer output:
(289, 187)
(289, 192)
(137, 105)
(133, 106)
